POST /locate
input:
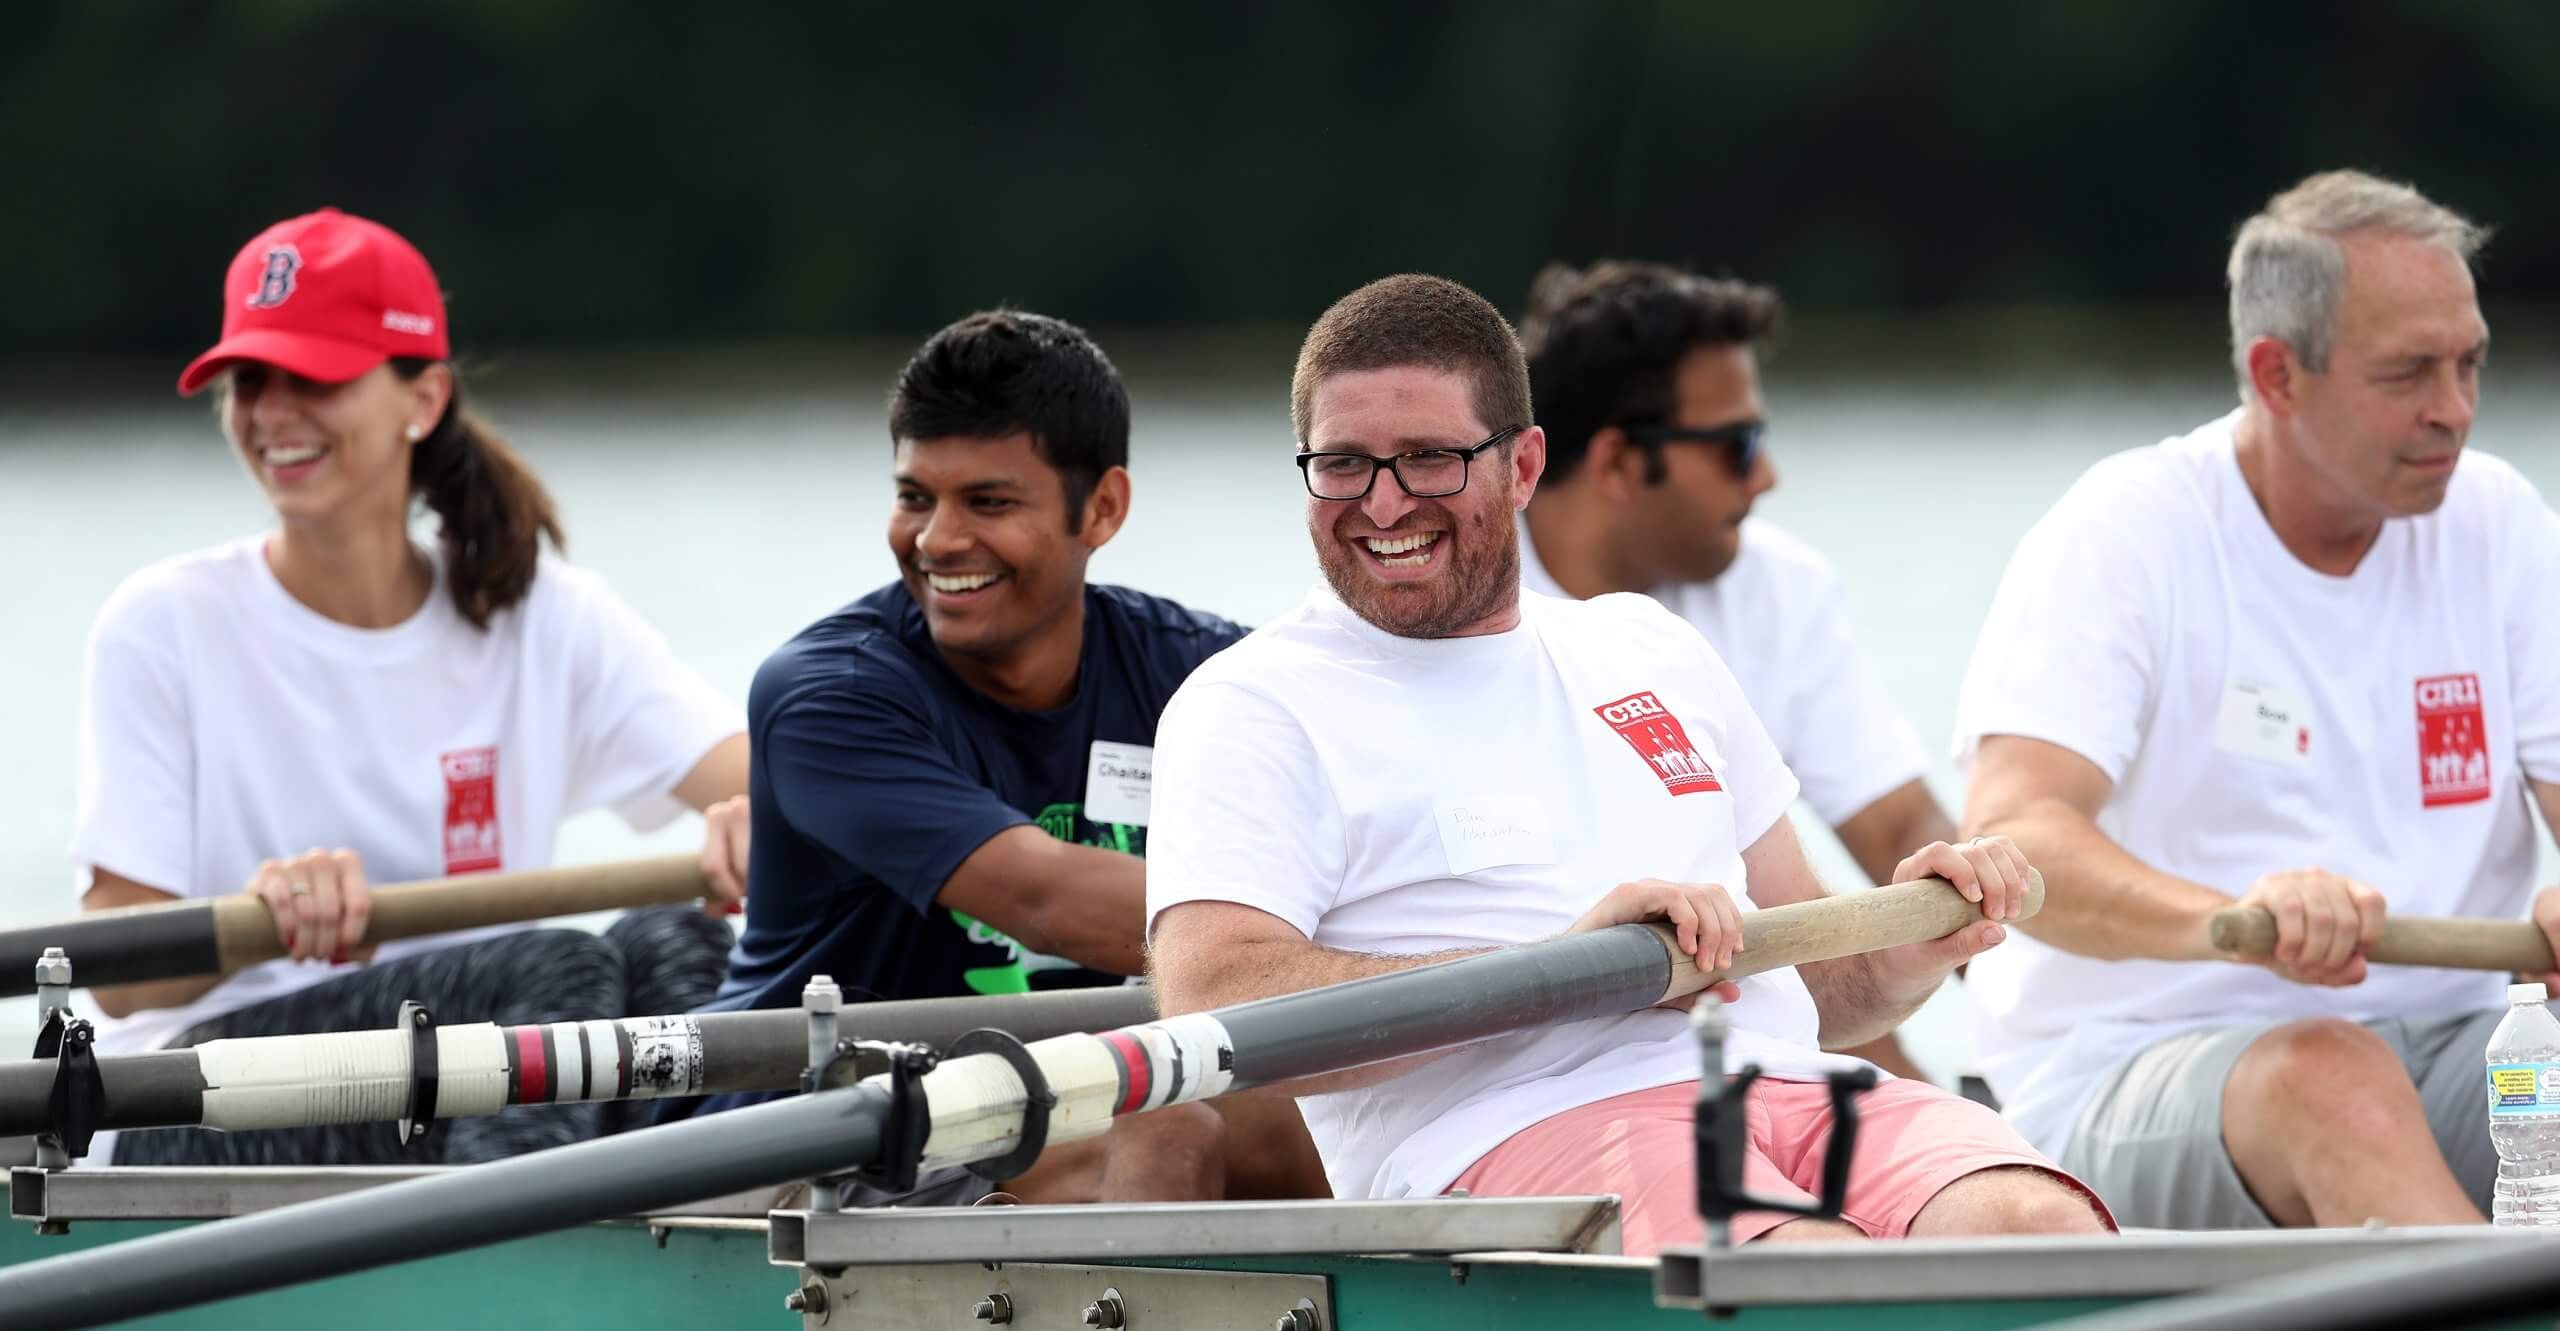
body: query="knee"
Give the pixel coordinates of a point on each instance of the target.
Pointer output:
(1190, 1135)
(2014, 1199)
(552, 975)
(2283, 1071)
(680, 930)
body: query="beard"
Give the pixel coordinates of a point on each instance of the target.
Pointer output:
(1479, 576)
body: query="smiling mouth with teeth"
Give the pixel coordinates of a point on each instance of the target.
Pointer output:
(955, 583)
(291, 457)
(1402, 551)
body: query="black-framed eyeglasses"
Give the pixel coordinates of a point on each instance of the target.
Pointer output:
(1425, 473)
(1743, 440)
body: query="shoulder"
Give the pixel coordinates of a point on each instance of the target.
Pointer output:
(2490, 484)
(1611, 613)
(2172, 476)
(855, 652)
(2494, 513)
(1155, 620)
(1624, 627)
(1779, 563)
(1304, 635)
(154, 599)
(2152, 507)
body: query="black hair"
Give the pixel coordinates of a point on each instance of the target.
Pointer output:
(1004, 371)
(1604, 344)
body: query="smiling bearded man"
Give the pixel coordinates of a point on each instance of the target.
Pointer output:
(1423, 761)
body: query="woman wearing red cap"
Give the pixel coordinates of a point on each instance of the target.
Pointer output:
(427, 708)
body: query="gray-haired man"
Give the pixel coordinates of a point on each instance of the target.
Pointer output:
(2304, 658)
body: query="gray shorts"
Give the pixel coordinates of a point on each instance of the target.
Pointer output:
(2151, 1141)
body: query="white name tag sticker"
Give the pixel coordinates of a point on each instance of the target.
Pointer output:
(2265, 722)
(1117, 783)
(1494, 829)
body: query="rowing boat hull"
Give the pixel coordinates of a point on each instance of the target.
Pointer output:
(719, 1274)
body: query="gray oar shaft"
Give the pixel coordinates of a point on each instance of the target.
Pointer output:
(741, 1051)
(1567, 979)
(631, 1174)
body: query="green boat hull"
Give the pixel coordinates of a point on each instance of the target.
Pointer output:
(1488, 1264)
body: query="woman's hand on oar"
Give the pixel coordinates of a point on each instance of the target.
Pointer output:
(320, 902)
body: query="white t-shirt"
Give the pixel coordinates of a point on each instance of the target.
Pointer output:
(1780, 620)
(2256, 715)
(224, 722)
(1408, 796)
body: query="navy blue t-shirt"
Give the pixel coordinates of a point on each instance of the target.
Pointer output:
(877, 771)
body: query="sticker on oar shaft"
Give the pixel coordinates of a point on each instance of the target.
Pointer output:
(1169, 1061)
(638, 1058)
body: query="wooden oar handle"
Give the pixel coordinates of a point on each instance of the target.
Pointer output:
(2407, 940)
(245, 933)
(1840, 926)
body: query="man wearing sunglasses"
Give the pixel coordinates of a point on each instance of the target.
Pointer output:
(1424, 761)
(1648, 387)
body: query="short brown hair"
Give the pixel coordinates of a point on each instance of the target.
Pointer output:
(1415, 320)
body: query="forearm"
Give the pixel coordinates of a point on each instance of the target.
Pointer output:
(123, 1000)
(2100, 901)
(1858, 1002)
(1083, 903)
(1899, 822)
(112, 891)
(1095, 919)
(1241, 972)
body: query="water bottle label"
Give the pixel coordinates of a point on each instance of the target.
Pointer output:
(2524, 1088)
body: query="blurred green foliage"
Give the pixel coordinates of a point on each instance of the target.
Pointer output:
(591, 172)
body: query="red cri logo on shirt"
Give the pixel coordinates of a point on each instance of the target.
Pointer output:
(1655, 734)
(2453, 741)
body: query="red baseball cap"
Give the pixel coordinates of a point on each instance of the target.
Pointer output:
(327, 296)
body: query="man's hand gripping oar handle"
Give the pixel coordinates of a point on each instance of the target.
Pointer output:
(245, 934)
(1840, 926)
(2407, 940)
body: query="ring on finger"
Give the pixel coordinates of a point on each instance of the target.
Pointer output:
(300, 887)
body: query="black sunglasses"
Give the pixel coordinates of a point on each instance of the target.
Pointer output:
(1744, 441)
(1425, 473)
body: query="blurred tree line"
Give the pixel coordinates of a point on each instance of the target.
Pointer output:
(643, 171)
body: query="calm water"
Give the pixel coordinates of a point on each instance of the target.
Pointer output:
(731, 514)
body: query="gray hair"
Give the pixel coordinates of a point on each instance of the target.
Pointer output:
(2288, 270)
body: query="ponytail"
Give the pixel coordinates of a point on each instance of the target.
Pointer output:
(493, 509)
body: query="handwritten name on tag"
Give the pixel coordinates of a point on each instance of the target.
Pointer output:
(1482, 832)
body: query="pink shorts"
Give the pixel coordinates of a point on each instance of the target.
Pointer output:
(1913, 1140)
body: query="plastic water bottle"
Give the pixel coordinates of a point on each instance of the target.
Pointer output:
(2524, 1110)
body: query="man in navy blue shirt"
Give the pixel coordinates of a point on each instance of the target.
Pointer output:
(950, 777)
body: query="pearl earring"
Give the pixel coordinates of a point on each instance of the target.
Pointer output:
(416, 432)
